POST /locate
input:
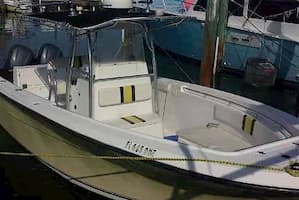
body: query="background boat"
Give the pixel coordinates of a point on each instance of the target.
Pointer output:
(268, 29)
(46, 6)
(18, 6)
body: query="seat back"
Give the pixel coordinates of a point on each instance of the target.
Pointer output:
(122, 89)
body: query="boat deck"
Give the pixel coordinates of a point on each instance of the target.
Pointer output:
(216, 136)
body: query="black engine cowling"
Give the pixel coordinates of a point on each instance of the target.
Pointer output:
(19, 55)
(48, 52)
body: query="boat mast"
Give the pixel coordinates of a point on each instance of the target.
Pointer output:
(214, 39)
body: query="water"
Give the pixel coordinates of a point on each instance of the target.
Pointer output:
(26, 178)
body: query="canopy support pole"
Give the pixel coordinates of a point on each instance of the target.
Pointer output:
(91, 76)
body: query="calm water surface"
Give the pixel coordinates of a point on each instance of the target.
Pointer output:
(26, 178)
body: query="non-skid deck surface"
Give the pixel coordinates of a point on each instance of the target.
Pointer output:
(149, 124)
(215, 136)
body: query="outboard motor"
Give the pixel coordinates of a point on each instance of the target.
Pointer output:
(48, 52)
(19, 55)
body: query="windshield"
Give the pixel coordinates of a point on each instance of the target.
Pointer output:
(121, 43)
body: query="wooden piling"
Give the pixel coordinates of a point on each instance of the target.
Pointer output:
(210, 34)
(221, 34)
(215, 27)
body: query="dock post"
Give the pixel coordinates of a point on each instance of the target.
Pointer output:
(210, 35)
(215, 30)
(221, 34)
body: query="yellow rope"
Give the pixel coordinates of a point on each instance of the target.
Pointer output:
(136, 158)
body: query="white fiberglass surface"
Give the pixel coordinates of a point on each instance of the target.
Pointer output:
(221, 126)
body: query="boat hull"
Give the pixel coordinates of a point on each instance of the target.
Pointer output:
(240, 46)
(148, 179)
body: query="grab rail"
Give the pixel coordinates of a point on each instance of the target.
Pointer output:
(283, 130)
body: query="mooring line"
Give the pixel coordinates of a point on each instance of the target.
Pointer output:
(137, 158)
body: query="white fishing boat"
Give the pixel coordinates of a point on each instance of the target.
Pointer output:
(120, 131)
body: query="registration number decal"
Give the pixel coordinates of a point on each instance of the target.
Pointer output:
(141, 149)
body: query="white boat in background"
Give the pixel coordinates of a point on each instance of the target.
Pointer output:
(266, 29)
(155, 138)
(18, 6)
